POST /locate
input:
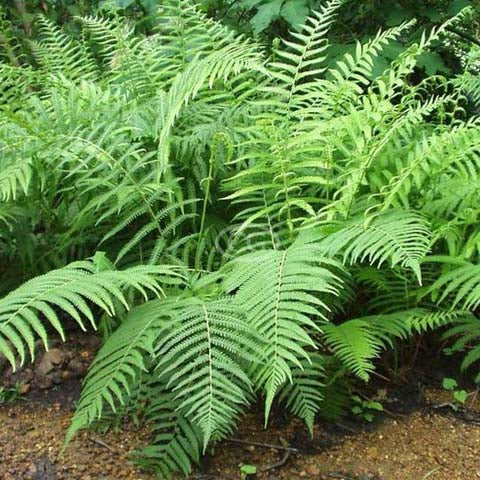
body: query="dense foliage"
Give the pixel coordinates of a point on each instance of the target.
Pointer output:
(242, 224)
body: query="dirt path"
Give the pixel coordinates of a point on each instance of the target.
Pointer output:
(423, 444)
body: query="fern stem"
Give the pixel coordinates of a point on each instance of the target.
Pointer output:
(204, 211)
(210, 374)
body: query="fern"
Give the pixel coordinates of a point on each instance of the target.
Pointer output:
(234, 182)
(202, 358)
(72, 290)
(176, 442)
(283, 310)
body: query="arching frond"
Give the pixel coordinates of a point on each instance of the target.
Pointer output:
(202, 358)
(397, 237)
(461, 286)
(355, 344)
(284, 295)
(73, 290)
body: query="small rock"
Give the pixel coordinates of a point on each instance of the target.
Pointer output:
(77, 367)
(44, 382)
(27, 375)
(49, 360)
(44, 367)
(55, 356)
(24, 388)
(56, 377)
(312, 470)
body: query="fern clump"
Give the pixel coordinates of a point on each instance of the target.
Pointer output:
(271, 223)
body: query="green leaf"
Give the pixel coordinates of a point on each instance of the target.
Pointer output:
(369, 417)
(375, 406)
(265, 15)
(460, 396)
(295, 12)
(432, 63)
(397, 15)
(457, 6)
(449, 383)
(248, 469)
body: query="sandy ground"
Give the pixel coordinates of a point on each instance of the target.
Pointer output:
(426, 443)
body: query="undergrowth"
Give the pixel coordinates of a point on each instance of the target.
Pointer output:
(246, 225)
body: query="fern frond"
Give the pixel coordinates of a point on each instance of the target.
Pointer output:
(114, 373)
(176, 442)
(355, 344)
(466, 335)
(304, 395)
(230, 60)
(398, 237)
(402, 324)
(59, 53)
(73, 290)
(461, 286)
(15, 178)
(202, 358)
(358, 67)
(283, 293)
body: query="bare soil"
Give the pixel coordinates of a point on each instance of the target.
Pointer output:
(427, 443)
(418, 437)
